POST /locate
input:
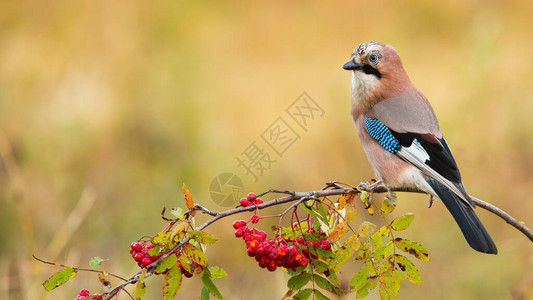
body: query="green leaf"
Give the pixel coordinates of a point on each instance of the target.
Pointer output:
(298, 281)
(370, 285)
(332, 276)
(313, 237)
(384, 250)
(155, 251)
(205, 294)
(160, 239)
(197, 255)
(319, 265)
(311, 211)
(328, 286)
(186, 264)
(173, 280)
(217, 272)
(319, 295)
(287, 232)
(96, 261)
(210, 286)
(177, 212)
(303, 294)
(166, 263)
(389, 285)
(202, 237)
(322, 253)
(401, 223)
(360, 279)
(377, 237)
(409, 268)
(361, 254)
(59, 278)
(341, 256)
(322, 211)
(140, 287)
(366, 229)
(413, 248)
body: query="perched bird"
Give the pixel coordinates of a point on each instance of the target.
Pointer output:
(402, 140)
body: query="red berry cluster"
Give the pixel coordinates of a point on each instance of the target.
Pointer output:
(250, 200)
(139, 252)
(277, 252)
(85, 294)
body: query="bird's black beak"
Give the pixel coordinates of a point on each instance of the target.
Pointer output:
(351, 65)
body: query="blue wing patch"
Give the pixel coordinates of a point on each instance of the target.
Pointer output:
(382, 135)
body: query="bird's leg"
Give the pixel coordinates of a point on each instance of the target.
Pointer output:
(431, 199)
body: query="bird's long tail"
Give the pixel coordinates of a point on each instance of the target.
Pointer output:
(474, 232)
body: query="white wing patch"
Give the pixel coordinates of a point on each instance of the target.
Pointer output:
(417, 155)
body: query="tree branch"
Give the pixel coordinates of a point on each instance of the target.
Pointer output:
(292, 196)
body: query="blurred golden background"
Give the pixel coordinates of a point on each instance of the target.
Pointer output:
(106, 107)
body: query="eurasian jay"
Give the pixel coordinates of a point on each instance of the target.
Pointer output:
(402, 140)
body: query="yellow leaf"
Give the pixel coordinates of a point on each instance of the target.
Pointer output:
(179, 228)
(188, 197)
(389, 203)
(343, 199)
(365, 198)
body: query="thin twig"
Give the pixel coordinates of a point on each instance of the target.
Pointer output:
(103, 273)
(500, 213)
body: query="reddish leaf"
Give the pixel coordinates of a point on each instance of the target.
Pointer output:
(338, 232)
(188, 197)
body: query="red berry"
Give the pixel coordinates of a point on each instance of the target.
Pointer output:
(238, 224)
(136, 247)
(146, 261)
(258, 201)
(84, 293)
(244, 202)
(272, 265)
(254, 244)
(138, 256)
(254, 219)
(263, 262)
(239, 232)
(304, 262)
(282, 251)
(250, 195)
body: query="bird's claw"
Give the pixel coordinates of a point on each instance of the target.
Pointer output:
(369, 186)
(431, 199)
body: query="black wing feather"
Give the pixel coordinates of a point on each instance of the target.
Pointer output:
(440, 156)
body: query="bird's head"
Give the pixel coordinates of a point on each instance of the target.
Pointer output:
(376, 70)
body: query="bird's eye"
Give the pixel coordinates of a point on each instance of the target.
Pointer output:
(373, 58)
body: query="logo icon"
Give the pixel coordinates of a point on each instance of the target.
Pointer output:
(226, 189)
